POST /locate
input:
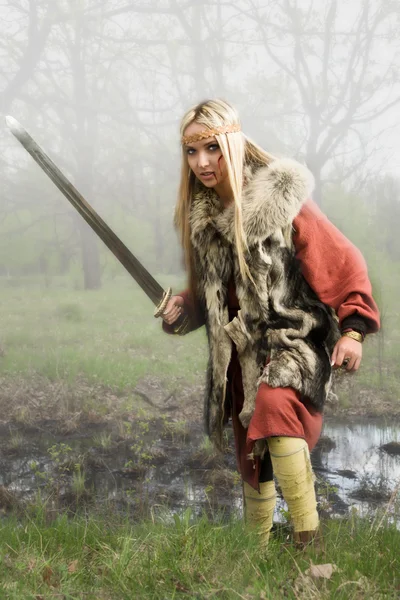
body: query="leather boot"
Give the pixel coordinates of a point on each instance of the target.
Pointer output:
(304, 539)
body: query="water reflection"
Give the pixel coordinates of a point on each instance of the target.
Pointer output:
(356, 461)
(348, 461)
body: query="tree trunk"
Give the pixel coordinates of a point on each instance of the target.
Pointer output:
(88, 239)
(85, 140)
(90, 257)
(317, 193)
(314, 164)
(158, 233)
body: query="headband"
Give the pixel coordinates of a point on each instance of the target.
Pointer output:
(206, 133)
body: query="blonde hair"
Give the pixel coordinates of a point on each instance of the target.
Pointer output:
(237, 149)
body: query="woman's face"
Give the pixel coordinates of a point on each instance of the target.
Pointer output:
(205, 158)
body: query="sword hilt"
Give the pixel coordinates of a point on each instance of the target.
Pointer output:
(181, 324)
(163, 304)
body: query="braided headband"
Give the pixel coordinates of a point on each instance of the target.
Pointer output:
(203, 135)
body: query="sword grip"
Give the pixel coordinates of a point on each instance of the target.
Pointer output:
(181, 324)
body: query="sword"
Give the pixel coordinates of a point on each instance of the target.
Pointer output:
(146, 281)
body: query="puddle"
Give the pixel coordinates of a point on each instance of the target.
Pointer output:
(141, 473)
(164, 472)
(354, 463)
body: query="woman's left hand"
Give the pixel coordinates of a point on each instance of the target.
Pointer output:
(347, 353)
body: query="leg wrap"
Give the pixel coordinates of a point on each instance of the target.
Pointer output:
(292, 468)
(259, 508)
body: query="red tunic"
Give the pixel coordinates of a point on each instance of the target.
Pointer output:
(334, 267)
(336, 271)
(278, 412)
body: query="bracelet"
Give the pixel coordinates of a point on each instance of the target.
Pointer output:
(354, 335)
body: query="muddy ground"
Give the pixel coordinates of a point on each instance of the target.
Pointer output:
(86, 446)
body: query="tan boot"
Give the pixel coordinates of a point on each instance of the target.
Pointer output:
(292, 468)
(259, 509)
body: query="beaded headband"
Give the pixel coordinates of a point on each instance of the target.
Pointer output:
(203, 135)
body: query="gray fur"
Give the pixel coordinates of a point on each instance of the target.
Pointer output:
(281, 317)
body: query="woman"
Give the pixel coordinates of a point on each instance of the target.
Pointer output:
(284, 297)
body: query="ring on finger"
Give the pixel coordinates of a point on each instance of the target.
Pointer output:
(346, 361)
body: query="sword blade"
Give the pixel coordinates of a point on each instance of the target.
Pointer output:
(146, 281)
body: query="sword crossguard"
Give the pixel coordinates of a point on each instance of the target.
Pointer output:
(182, 324)
(161, 307)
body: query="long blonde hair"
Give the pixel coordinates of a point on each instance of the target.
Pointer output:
(237, 150)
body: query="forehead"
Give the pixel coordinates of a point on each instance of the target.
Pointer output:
(195, 128)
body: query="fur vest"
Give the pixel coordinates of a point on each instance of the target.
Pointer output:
(281, 320)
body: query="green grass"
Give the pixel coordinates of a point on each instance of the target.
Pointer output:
(108, 559)
(109, 336)
(59, 347)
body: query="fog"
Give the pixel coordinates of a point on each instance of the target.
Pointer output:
(102, 86)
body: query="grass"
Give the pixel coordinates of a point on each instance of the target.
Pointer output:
(78, 481)
(206, 454)
(103, 441)
(108, 336)
(177, 431)
(77, 354)
(69, 354)
(109, 558)
(15, 442)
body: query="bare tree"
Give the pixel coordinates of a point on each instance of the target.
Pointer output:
(339, 63)
(24, 40)
(113, 78)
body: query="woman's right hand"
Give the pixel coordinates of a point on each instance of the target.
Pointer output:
(173, 310)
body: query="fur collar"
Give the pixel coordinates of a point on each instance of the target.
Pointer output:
(272, 197)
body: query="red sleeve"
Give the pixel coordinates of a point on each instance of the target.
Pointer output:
(334, 267)
(190, 308)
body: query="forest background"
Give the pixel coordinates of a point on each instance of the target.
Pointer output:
(100, 411)
(102, 86)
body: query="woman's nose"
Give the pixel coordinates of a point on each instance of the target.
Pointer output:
(202, 160)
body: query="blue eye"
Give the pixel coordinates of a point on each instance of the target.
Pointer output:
(210, 148)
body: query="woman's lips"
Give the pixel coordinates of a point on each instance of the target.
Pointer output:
(207, 175)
